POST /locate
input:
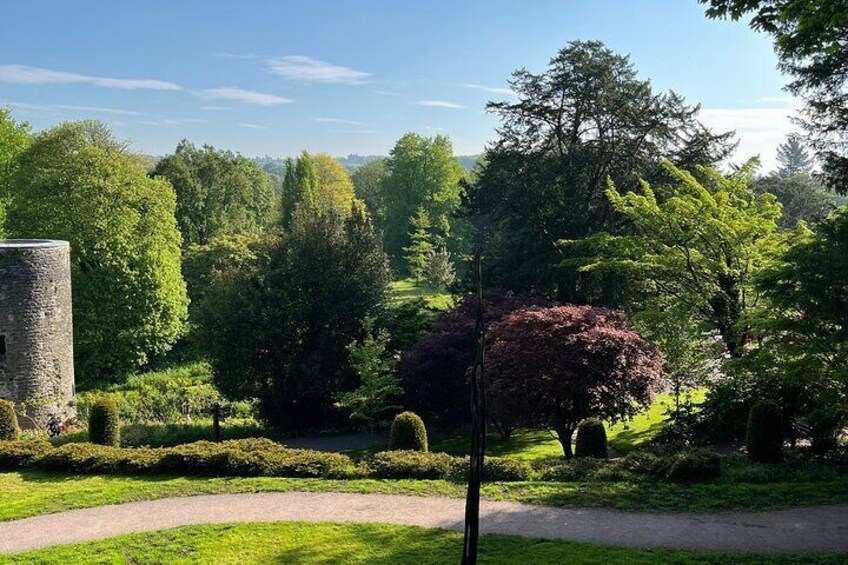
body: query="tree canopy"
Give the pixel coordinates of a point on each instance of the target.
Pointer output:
(793, 157)
(14, 138)
(218, 192)
(76, 182)
(421, 173)
(368, 184)
(586, 118)
(553, 367)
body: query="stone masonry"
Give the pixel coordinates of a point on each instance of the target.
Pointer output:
(36, 329)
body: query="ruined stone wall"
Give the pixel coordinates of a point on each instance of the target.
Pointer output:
(36, 329)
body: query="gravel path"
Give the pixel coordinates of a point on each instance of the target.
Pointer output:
(801, 530)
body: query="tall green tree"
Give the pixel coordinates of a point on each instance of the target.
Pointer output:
(76, 182)
(809, 38)
(218, 192)
(586, 118)
(368, 184)
(793, 157)
(278, 329)
(334, 189)
(14, 138)
(698, 243)
(421, 173)
(802, 196)
(421, 244)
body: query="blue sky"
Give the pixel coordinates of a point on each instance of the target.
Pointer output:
(352, 76)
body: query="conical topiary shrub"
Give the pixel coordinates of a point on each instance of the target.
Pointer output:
(9, 429)
(408, 432)
(104, 425)
(591, 439)
(764, 438)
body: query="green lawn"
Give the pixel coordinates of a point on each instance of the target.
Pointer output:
(537, 444)
(295, 543)
(31, 493)
(408, 289)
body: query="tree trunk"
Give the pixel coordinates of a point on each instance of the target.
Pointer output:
(564, 435)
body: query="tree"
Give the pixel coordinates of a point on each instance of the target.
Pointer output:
(421, 173)
(368, 185)
(202, 263)
(14, 138)
(587, 118)
(299, 187)
(557, 366)
(439, 273)
(802, 328)
(420, 246)
(801, 196)
(809, 38)
(378, 383)
(793, 157)
(333, 187)
(433, 371)
(218, 192)
(697, 243)
(76, 182)
(279, 329)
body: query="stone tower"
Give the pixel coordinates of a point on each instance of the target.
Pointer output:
(36, 329)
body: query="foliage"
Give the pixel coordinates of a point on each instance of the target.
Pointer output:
(278, 329)
(318, 183)
(586, 118)
(764, 440)
(694, 465)
(411, 464)
(408, 433)
(420, 173)
(333, 187)
(553, 367)
(218, 192)
(696, 242)
(203, 263)
(801, 196)
(104, 423)
(802, 329)
(368, 185)
(299, 187)
(439, 272)
(378, 383)
(591, 439)
(793, 157)
(9, 429)
(420, 246)
(433, 370)
(809, 38)
(76, 182)
(14, 138)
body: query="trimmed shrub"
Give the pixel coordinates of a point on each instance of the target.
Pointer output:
(764, 438)
(104, 426)
(93, 458)
(694, 465)
(408, 433)
(571, 470)
(503, 469)
(591, 439)
(9, 430)
(22, 453)
(409, 464)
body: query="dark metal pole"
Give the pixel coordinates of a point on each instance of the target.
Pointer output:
(216, 422)
(478, 428)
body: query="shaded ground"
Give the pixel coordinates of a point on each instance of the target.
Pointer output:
(800, 530)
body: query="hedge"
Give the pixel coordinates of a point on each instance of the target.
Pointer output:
(9, 429)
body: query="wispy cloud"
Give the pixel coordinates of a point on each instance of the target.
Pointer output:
(22, 74)
(252, 126)
(213, 108)
(307, 69)
(246, 96)
(98, 110)
(181, 121)
(244, 56)
(492, 89)
(785, 100)
(387, 93)
(337, 121)
(439, 104)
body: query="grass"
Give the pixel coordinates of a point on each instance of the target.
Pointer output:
(297, 543)
(30, 493)
(409, 289)
(530, 445)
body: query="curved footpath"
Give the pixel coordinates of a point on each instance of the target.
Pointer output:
(822, 529)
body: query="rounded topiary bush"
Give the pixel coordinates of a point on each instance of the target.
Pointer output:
(104, 425)
(591, 439)
(408, 433)
(9, 429)
(764, 438)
